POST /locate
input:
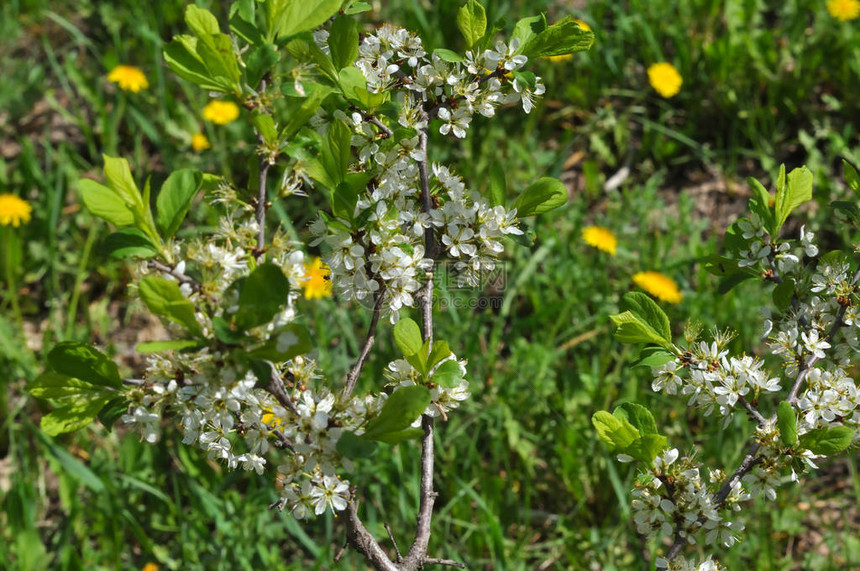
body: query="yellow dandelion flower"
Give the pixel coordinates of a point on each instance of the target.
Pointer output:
(221, 112)
(844, 10)
(565, 57)
(199, 142)
(665, 79)
(128, 78)
(150, 567)
(601, 238)
(14, 210)
(317, 280)
(269, 419)
(659, 285)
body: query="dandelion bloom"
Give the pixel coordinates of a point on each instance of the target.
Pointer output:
(665, 79)
(14, 210)
(844, 10)
(129, 78)
(659, 285)
(199, 142)
(601, 238)
(221, 112)
(317, 280)
(150, 567)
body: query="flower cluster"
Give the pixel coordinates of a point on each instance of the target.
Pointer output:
(386, 258)
(815, 337)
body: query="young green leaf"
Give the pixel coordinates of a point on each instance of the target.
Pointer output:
(646, 448)
(262, 294)
(527, 29)
(400, 410)
(827, 441)
(353, 85)
(562, 38)
(299, 114)
(793, 193)
(103, 202)
(164, 298)
(851, 177)
(448, 374)
(291, 17)
(448, 55)
(616, 433)
(55, 386)
(181, 57)
(175, 198)
(760, 203)
(646, 308)
(638, 416)
(72, 417)
(85, 363)
(407, 336)
(440, 351)
(287, 342)
(472, 22)
(786, 420)
(343, 41)
(541, 196)
(498, 185)
(653, 357)
(355, 447)
(113, 411)
(128, 243)
(261, 60)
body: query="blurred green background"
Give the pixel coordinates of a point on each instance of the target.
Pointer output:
(523, 482)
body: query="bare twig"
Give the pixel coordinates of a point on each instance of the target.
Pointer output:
(752, 410)
(179, 276)
(277, 389)
(352, 377)
(448, 562)
(363, 541)
(372, 119)
(393, 542)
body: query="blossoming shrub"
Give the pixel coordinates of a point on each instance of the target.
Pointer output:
(802, 402)
(345, 114)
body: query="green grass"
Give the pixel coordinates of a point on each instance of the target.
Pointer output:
(523, 481)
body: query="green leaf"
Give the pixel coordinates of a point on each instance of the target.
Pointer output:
(783, 293)
(346, 195)
(562, 38)
(472, 22)
(827, 441)
(291, 17)
(265, 126)
(527, 29)
(355, 447)
(358, 8)
(498, 185)
(128, 243)
(407, 336)
(72, 417)
(55, 386)
(786, 420)
(448, 55)
(171, 345)
(181, 57)
(226, 333)
(201, 21)
(298, 115)
(103, 202)
(262, 59)
(164, 298)
(760, 203)
(440, 351)
(727, 283)
(400, 410)
(353, 85)
(335, 156)
(120, 180)
(85, 363)
(851, 177)
(284, 344)
(343, 41)
(849, 209)
(642, 305)
(796, 191)
(243, 28)
(646, 448)
(262, 294)
(638, 416)
(653, 357)
(541, 196)
(175, 199)
(399, 436)
(112, 412)
(448, 374)
(616, 433)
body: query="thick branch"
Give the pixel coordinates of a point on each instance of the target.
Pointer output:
(363, 541)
